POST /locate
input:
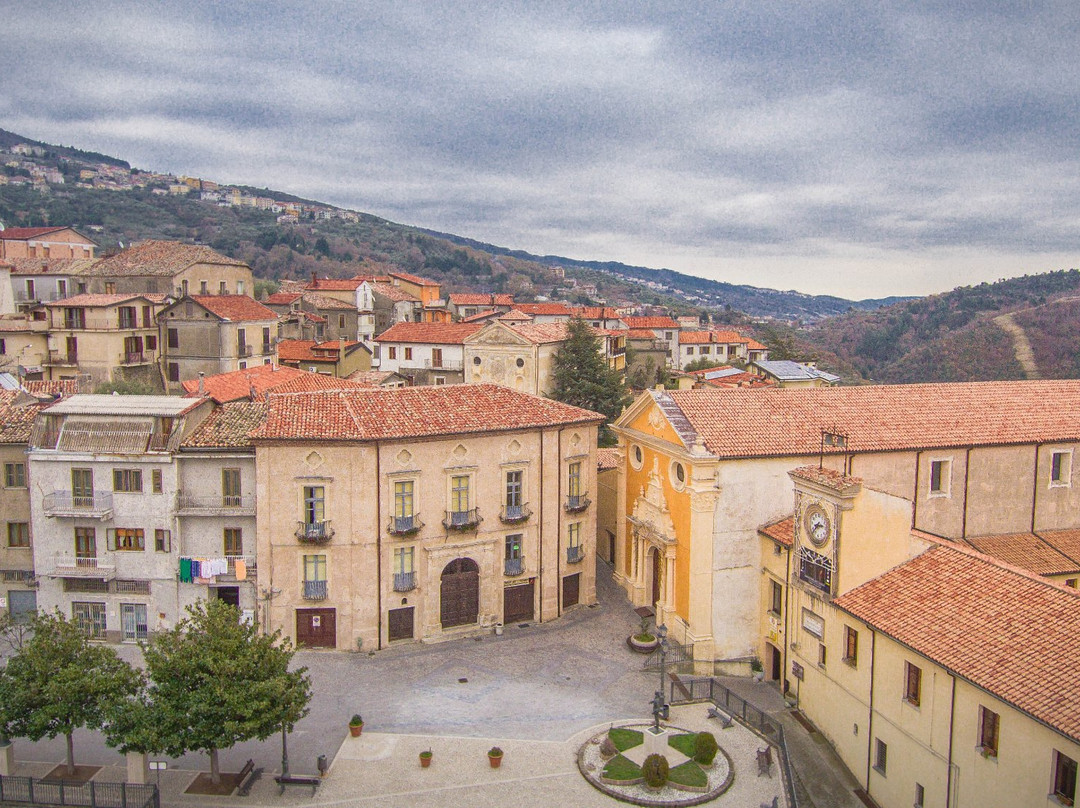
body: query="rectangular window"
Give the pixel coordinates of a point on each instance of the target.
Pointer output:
(14, 475)
(203, 287)
(174, 372)
(404, 558)
(341, 321)
(989, 721)
(18, 534)
(851, 646)
(127, 539)
(314, 504)
(689, 351)
(82, 488)
(173, 337)
(403, 499)
(314, 568)
(408, 353)
(127, 480)
(459, 494)
(391, 352)
(573, 534)
(233, 541)
(128, 318)
(230, 488)
(436, 357)
(513, 547)
(133, 621)
(821, 655)
(90, 617)
(1060, 469)
(574, 481)
(162, 541)
(222, 288)
(881, 756)
(912, 684)
(85, 542)
(920, 796)
(241, 342)
(147, 319)
(151, 342)
(939, 477)
(513, 489)
(777, 605)
(267, 347)
(155, 481)
(1064, 777)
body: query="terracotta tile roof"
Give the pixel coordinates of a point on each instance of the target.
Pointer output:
(57, 387)
(17, 416)
(828, 478)
(546, 309)
(24, 233)
(515, 315)
(308, 350)
(392, 292)
(597, 313)
(607, 459)
(405, 276)
(481, 316)
(1064, 541)
(778, 422)
(754, 345)
(164, 258)
(281, 299)
(650, 322)
(542, 333)
(227, 426)
(370, 378)
(1005, 630)
(471, 299)
(1025, 550)
(412, 412)
(741, 380)
(93, 301)
(429, 333)
(238, 384)
(235, 308)
(327, 302)
(51, 266)
(640, 333)
(312, 382)
(712, 337)
(782, 532)
(336, 284)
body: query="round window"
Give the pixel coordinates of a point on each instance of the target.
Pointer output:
(476, 360)
(520, 362)
(637, 457)
(680, 473)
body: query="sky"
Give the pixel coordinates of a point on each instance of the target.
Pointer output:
(843, 148)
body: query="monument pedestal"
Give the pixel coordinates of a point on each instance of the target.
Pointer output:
(656, 742)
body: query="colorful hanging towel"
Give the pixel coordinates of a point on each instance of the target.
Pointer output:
(241, 569)
(185, 570)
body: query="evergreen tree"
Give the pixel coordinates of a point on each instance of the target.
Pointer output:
(583, 378)
(215, 681)
(58, 681)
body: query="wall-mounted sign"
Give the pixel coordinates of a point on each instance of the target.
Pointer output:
(797, 670)
(316, 621)
(813, 624)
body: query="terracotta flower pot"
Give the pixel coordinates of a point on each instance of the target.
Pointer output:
(356, 729)
(495, 761)
(425, 759)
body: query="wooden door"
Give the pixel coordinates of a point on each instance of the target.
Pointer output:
(518, 602)
(571, 590)
(400, 624)
(460, 593)
(654, 557)
(316, 628)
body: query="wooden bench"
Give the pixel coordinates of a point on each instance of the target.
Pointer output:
(248, 775)
(298, 780)
(725, 719)
(764, 761)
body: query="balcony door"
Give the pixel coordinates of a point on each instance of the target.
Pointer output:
(82, 488)
(85, 542)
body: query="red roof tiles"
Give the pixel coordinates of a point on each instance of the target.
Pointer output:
(164, 258)
(227, 426)
(281, 299)
(650, 322)
(235, 308)
(17, 416)
(238, 384)
(94, 301)
(782, 532)
(392, 292)
(25, 233)
(413, 412)
(1003, 629)
(429, 333)
(545, 309)
(1037, 553)
(778, 422)
(336, 284)
(607, 459)
(405, 276)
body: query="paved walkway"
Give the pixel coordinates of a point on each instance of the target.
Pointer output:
(538, 692)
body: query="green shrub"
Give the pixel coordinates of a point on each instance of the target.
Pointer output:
(655, 770)
(608, 748)
(705, 748)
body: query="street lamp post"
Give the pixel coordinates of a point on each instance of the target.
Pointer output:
(284, 753)
(658, 699)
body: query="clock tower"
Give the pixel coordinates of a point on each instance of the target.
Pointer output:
(822, 496)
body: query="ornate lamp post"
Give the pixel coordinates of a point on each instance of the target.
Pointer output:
(658, 699)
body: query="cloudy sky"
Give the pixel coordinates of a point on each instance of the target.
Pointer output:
(830, 147)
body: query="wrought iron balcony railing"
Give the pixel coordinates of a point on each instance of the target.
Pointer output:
(314, 532)
(404, 525)
(513, 514)
(513, 566)
(314, 590)
(575, 503)
(575, 554)
(462, 520)
(404, 581)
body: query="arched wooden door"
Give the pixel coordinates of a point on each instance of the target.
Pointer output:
(460, 593)
(654, 558)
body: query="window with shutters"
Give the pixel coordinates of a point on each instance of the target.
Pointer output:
(126, 539)
(912, 684)
(989, 722)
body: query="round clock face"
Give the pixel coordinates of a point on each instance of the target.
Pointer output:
(817, 526)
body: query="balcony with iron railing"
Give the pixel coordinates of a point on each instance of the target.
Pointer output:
(98, 505)
(575, 554)
(314, 532)
(463, 520)
(404, 525)
(314, 590)
(513, 566)
(576, 503)
(73, 567)
(214, 505)
(514, 514)
(243, 350)
(63, 358)
(404, 581)
(137, 358)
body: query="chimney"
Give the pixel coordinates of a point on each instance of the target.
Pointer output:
(202, 383)
(251, 392)
(314, 280)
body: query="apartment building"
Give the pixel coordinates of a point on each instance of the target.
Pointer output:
(17, 413)
(213, 334)
(702, 470)
(24, 346)
(422, 513)
(104, 510)
(108, 338)
(939, 674)
(45, 242)
(723, 346)
(426, 353)
(339, 358)
(340, 320)
(170, 268)
(465, 304)
(43, 280)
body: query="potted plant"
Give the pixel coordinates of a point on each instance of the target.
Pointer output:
(757, 669)
(356, 725)
(495, 756)
(425, 758)
(644, 641)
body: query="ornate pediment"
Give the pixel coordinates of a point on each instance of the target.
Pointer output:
(652, 519)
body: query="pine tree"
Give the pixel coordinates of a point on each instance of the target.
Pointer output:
(583, 378)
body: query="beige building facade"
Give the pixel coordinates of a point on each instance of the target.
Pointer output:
(423, 514)
(170, 268)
